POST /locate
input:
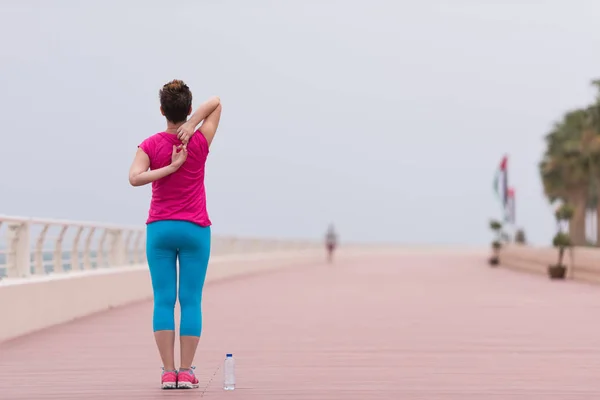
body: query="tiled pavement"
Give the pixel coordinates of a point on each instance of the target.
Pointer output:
(413, 325)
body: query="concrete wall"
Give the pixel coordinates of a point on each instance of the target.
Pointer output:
(583, 263)
(36, 302)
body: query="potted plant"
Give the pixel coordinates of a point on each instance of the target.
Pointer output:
(520, 237)
(496, 227)
(561, 241)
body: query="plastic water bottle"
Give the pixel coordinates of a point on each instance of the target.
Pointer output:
(229, 373)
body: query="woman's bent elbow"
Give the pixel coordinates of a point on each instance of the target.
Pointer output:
(133, 181)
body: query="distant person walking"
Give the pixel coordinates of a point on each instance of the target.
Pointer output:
(331, 242)
(178, 226)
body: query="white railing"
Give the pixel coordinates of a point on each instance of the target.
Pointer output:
(31, 246)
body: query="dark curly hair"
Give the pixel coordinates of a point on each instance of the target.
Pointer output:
(175, 100)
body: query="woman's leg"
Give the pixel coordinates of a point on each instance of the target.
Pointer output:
(193, 263)
(162, 258)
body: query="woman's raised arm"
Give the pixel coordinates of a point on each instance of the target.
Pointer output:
(209, 113)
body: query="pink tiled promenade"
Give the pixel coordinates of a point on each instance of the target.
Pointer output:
(412, 325)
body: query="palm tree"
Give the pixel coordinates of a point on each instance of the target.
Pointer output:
(570, 168)
(593, 135)
(567, 167)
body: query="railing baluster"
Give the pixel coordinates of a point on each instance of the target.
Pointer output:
(87, 250)
(128, 259)
(117, 251)
(100, 254)
(39, 251)
(75, 251)
(144, 248)
(15, 257)
(58, 260)
(137, 251)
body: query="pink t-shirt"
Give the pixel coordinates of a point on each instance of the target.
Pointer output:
(181, 195)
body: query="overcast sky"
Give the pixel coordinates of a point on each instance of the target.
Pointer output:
(386, 117)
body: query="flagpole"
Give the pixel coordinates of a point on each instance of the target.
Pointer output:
(506, 196)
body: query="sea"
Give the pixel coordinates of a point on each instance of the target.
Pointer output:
(48, 256)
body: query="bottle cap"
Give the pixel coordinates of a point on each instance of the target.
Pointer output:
(229, 355)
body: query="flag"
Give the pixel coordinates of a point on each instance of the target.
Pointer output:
(503, 192)
(503, 167)
(501, 182)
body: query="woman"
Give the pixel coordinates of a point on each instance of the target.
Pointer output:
(178, 226)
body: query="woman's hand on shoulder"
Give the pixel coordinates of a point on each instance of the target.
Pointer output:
(185, 132)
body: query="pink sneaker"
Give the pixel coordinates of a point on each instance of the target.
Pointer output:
(187, 379)
(168, 380)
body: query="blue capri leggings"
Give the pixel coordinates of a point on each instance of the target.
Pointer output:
(167, 241)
